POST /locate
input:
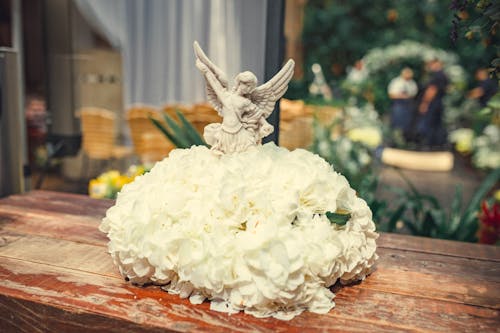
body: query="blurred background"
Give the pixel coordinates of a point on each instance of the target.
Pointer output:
(400, 96)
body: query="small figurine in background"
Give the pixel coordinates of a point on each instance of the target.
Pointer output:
(402, 91)
(431, 109)
(319, 85)
(358, 73)
(244, 108)
(485, 89)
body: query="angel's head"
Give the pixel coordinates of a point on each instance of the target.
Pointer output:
(245, 83)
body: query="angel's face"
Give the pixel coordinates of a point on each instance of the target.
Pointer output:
(245, 83)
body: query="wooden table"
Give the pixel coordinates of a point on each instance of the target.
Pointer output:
(56, 275)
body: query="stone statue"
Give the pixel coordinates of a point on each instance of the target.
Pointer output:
(319, 85)
(244, 108)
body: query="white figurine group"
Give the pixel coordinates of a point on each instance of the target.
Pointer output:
(244, 108)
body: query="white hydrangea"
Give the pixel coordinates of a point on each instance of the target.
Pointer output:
(463, 139)
(486, 148)
(246, 231)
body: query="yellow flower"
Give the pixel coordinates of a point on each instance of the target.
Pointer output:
(109, 177)
(463, 146)
(121, 180)
(496, 195)
(98, 189)
(462, 138)
(109, 183)
(135, 170)
(370, 136)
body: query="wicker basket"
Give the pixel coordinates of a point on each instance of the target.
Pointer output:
(149, 144)
(201, 115)
(98, 132)
(296, 122)
(171, 109)
(324, 113)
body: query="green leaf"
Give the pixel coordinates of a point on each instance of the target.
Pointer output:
(429, 224)
(410, 225)
(190, 131)
(165, 131)
(183, 134)
(396, 217)
(456, 204)
(338, 218)
(453, 225)
(178, 132)
(442, 225)
(378, 208)
(469, 235)
(430, 199)
(469, 222)
(408, 182)
(399, 191)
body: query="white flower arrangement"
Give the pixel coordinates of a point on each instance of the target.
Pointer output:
(249, 231)
(361, 116)
(462, 138)
(485, 147)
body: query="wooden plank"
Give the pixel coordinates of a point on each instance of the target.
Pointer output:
(78, 293)
(55, 225)
(352, 302)
(414, 312)
(24, 316)
(73, 204)
(59, 253)
(434, 287)
(479, 270)
(464, 281)
(439, 246)
(460, 280)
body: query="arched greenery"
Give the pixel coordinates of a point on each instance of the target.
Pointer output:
(381, 64)
(339, 32)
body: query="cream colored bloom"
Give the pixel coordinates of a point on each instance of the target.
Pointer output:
(496, 195)
(486, 152)
(246, 231)
(370, 136)
(462, 138)
(98, 189)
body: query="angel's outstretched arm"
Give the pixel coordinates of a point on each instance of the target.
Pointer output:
(211, 80)
(201, 56)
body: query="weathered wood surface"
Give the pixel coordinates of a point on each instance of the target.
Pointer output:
(56, 276)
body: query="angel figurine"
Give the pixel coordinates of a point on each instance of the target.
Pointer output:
(243, 109)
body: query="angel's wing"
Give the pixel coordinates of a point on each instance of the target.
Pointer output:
(264, 96)
(218, 73)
